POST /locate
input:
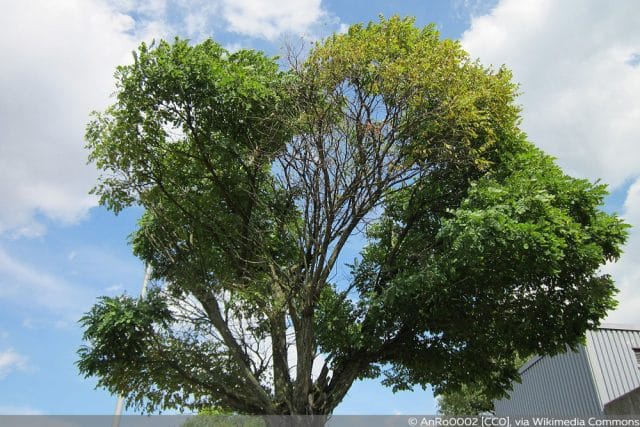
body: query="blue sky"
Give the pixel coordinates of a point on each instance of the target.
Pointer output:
(577, 62)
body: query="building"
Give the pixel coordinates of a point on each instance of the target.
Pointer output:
(601, 378)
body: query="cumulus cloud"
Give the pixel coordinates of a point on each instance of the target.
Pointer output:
(271, 18)
(57, 66)
(580, 83)
(577, 62)
(11, 361)
(262, 19)
(259, 19)
(627, 270)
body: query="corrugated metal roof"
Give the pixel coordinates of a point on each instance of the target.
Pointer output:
(613, 361)
(578, 383)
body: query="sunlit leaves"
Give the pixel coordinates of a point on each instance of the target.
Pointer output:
(480, 249)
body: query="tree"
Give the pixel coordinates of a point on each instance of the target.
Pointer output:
(254, 179)
(468, 399)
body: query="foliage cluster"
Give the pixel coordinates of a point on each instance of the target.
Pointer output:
(254, 179)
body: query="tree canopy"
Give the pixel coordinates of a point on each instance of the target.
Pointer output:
(255, 178)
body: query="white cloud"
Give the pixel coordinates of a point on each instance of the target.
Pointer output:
(574, 60)
(18, 410)
(627, 271)
(11, 361)
(266, 19)
(466, 9)
(21, 284)
(32, 323)
(577, 62)
(271, 18)
(57, 64)
(113, 289)
(150, 9)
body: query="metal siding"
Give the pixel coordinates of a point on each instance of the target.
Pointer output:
(578, 383)
(593, 348)
(556, 386)
(613, 363)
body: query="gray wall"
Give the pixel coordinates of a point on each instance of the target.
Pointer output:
(582, 382)
(556, 386)
(612, 360)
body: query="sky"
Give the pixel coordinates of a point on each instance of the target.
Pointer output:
(577, 63)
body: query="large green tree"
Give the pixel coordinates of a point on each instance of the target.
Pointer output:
(255, 179)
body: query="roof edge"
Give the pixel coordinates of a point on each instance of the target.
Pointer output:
(611, 326)
(619, 326)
